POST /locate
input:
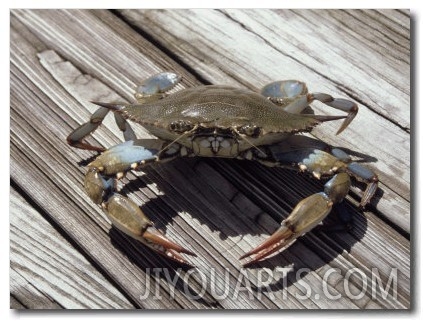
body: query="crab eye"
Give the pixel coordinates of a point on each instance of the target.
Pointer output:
(250, 130)
(180, 126)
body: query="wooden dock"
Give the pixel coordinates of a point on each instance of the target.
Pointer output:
(64, 253)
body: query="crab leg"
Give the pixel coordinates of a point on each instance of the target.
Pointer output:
(150, 89)
(365, 175)
(338, 103)
(320, 160)
(293, 96)
(122, 212)
(306, 215)
(75, 138)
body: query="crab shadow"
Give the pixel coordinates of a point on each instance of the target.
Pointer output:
(164, 278)
(229, 198)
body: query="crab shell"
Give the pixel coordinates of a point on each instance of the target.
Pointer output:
(218, 120)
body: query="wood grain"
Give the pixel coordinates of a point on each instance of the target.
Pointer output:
(217, 208)
(47, 271)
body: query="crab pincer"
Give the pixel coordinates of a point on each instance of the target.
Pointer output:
(125, 214)
(308, 213)
(129, 219)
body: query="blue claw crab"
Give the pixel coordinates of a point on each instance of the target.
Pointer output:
(221, 121)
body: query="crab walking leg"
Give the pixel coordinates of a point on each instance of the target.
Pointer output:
(122, 212)
(306, 215)
(360, 173)
(300, 154)
(364, 175)
(320, 160)
(293, 96)
(149, 90)
(75, 138)
(346, 105)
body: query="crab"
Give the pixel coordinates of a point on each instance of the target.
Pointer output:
(222, 121)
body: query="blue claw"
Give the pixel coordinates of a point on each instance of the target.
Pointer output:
(308, 213)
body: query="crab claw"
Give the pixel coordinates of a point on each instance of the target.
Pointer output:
(305, 216)
(281, 238)
(128, 218)
(308, 213)
(154, 239)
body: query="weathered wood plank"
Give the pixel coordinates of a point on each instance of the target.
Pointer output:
(43, 262)
(15, 304)
(25, 295)
(345, 53)
(185, 198)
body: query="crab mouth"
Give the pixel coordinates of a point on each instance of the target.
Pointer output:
(215, 142)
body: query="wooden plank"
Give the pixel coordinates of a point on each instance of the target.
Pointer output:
(24, 295)
(43, 262)
(361, 54)
(184, 197)
(15, 304)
